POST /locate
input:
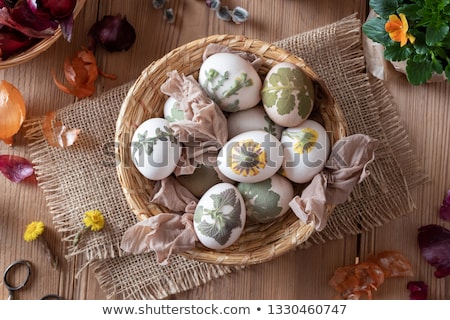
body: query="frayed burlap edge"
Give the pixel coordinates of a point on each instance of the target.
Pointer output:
(152, 283)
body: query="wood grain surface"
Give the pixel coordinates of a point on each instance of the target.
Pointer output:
(303, 274)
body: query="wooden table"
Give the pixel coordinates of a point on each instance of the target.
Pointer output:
(303, 274)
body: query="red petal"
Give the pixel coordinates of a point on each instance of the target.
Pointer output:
(15, 168)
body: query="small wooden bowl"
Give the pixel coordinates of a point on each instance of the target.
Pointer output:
(258, 242)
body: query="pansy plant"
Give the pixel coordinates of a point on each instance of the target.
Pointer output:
(415, 31)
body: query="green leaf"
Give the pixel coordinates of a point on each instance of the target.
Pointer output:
(436, 66)
(410, 11)
(447, 71)
(418, 72)
(397, 53)
(435, 34)
(261, 202)
(374, 30)
(384, 7)
(222, 222)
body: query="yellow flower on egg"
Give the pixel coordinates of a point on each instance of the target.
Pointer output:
(304, 140)
(247, 158)
(33, 231)
(398, 27)
(94, 220)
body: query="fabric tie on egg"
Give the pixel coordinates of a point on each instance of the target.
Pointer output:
(346, 167)
(203, 120)
(167, 233)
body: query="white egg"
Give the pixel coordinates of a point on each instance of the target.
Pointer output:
(219, 217)
(230, 81)
(251, 156)
(287, 94)
(306, 148)
(154, 149)
(172, 110)
(252, 119)
(267, 200)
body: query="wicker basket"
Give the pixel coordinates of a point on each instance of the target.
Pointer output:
(39, 47)
(258, 242)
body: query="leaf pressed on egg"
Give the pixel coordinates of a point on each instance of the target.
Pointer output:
(222, 223)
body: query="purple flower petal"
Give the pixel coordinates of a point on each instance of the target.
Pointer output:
(418, 290)
(444, 211)
(434, 243)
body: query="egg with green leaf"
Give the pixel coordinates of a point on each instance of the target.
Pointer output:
(173, 111)
(219, 217)
(287, 94)
(231, 81)
(267, 200)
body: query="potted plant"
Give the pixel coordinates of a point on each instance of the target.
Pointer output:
(413, 31)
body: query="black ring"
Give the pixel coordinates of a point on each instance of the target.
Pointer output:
(11, 266)
(52, 297)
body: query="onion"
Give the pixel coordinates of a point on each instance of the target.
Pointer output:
(12, 111)
(114, 33)
(58, 8)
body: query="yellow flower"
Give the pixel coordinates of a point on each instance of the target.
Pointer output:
(33, 231)
(247, 158)
(94, 220)
(397, 27)
(305, 140)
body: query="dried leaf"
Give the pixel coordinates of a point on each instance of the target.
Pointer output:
(56, 133)
(16, 168)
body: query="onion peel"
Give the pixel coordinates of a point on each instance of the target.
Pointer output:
(56, 133)
(418, 290)
(16, 168)
(444, 210)
(393, 263)
(434, 243)
(81, 73)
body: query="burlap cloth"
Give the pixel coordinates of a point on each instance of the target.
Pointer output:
(83, 177)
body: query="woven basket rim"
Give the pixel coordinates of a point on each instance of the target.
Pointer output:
(252, 247)
(39, 47)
